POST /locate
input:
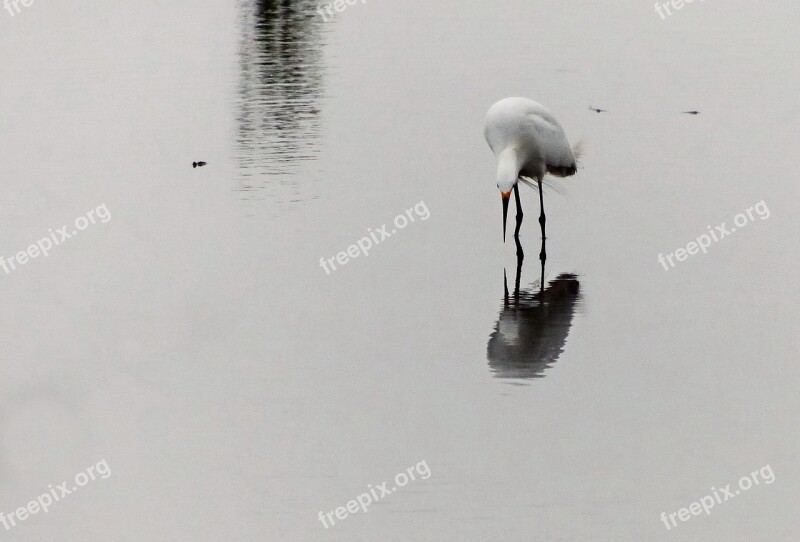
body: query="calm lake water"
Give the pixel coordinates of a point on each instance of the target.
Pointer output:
(187, 337)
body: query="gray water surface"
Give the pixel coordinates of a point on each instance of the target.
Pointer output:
(236, 389)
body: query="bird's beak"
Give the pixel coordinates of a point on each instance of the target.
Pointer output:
(505, 196)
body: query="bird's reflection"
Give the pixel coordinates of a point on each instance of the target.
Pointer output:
(281, 78)
(533, 326)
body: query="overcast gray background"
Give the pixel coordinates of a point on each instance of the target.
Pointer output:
(235, 390)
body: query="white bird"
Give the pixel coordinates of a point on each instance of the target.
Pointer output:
(529, 143)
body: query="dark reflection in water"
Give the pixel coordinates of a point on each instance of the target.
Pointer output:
(280, 86)
(532, 327)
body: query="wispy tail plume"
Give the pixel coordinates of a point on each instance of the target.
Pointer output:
(578, 149)
(547, 182)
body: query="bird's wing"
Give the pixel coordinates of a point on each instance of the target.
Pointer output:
(552, 141)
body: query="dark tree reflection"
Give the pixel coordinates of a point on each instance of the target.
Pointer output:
(281, 81)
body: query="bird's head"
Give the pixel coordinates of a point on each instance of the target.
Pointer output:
(508, 166)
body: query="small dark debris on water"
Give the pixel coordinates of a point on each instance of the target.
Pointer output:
(198, 164)
(598, 110)
(692, 112)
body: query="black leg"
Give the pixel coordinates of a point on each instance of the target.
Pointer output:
(541, 280)
(542, 220)
(519, 209)
(505, 289)
(520, 253)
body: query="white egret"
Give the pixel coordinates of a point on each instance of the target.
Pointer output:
(529, 143)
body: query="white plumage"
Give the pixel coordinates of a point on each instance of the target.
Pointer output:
(528, 142)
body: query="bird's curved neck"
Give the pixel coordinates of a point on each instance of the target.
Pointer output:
(508, 167)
